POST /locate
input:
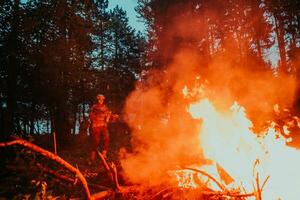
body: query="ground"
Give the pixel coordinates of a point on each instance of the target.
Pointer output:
(27, 175)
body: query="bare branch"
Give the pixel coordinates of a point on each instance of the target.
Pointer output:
(53, 157)
(68, 179)
(228, 194)
(264, 183)
(111, 171)
(258, 190)
(209, 176)
(103, 195)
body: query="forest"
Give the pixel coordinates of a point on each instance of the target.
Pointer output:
(56, 56)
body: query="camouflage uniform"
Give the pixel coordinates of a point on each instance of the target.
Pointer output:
(99, 116)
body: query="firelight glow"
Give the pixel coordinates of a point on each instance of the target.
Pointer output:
(227, 139)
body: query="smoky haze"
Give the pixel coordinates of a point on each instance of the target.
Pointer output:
(164, 136)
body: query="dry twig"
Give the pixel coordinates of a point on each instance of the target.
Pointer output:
(68, 179)
(111, 171)
(208, 176)
(228, 194)
(162, 192)
(258, 189)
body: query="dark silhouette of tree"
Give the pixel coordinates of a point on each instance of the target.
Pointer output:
(285, 15)
(11, 29)
(56, 56)
(240, 28)
(121, 56)
(276, 9)
(60, 41)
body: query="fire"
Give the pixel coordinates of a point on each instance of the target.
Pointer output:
(196, 176)
(227, 140)
(185, 179)
(176, 125)
(250, 159)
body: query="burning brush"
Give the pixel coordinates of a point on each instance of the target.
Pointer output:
(244, 163)
(238, 163)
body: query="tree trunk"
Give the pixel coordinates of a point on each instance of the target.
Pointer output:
(12, 71)
(61, 124)
(75, 119)
(32, 119)
(102, 45)
(281, 43)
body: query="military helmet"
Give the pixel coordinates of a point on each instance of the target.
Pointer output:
(100, 96)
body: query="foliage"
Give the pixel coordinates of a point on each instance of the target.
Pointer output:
(249, 32)
(56, 56)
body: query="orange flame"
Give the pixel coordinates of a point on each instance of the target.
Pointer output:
(165, 135)
(228, 140)
(185, 179)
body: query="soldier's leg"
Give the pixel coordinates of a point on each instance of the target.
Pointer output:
(105, 140)
(95, 142)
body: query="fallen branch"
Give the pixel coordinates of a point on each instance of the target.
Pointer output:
(228, 194)
(208, 176)
(162, 192)
(225, 192)
(103, 195)
(111, 194)
(111, 171)
(55, 174)
(115, 176)
(53, 157)
(68, 179)
(206, 193)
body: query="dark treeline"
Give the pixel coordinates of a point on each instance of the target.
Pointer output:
(56, 55)
(251, 27)
(250, 33)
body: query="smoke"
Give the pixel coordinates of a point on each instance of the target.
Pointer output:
(257, 90)
(164, 136)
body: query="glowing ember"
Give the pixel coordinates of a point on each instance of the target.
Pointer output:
(185, 179)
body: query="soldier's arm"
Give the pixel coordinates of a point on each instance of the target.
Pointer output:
(115, 117)
(108, 116)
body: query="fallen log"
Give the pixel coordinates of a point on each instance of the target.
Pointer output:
(112, 172)
(53, 157)
(103, 194)
(55, 174)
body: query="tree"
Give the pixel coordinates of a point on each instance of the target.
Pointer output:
(275, 7)
(65, 44)
(11, 28)
(56, 55)
(125, 52)
(211, 27)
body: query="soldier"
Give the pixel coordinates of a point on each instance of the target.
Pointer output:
(100, 116)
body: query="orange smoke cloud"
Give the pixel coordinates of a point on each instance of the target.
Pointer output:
(164, 135)
(257, 90)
